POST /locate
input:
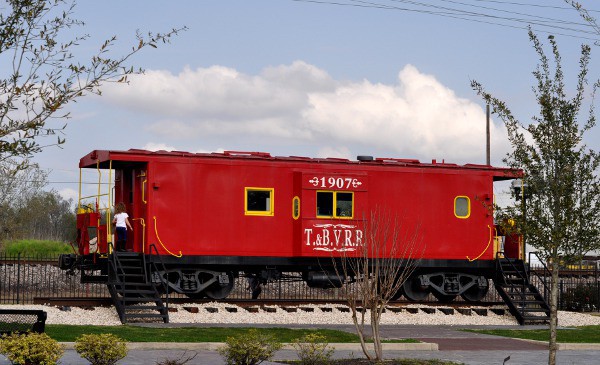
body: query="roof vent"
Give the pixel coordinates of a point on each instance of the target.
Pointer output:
(364, 158)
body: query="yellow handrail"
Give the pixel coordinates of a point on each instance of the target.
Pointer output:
(162, 244)
(110, 203)
(144, 191)
(143, 174)
(485, 249)
(79, 195)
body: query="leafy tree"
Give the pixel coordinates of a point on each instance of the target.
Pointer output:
(16, 187)
(561, 215)
(28, 211)
(47, 216)
(40, 75)
(585, 15)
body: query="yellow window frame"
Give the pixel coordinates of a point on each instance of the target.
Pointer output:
(270, 212)
(334, 212)
(468, 207)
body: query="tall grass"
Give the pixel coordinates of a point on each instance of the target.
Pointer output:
(34, 248)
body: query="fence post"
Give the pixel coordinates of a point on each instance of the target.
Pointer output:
(560, 294)
(18, 275)
(279, 294)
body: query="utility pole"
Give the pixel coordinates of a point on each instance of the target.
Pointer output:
(487, 134)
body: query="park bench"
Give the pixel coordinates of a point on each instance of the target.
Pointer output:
(22, 320)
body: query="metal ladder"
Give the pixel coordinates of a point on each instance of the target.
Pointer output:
(523, 299)
(133, 289)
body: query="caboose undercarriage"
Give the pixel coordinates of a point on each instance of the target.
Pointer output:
(214, 276)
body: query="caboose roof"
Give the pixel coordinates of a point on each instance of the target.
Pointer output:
(121, 159)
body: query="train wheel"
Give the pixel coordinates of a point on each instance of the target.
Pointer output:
(414, 291)
(397, 294)
(444, 298)
(475, 293)
(200, 295)
(220, 290)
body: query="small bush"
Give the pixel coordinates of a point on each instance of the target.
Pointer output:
(313, 350)
(104, 349)
(249, 349)
(181, 360)
(582, 298)
(31, 349)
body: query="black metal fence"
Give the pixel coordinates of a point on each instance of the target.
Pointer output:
(23, 279)
(27, 280)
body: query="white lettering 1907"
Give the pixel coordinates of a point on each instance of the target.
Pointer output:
(335, 182)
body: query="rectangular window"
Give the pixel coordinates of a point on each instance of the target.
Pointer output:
(335, 204)
(343, 205)
(259, 201)
(324, 204)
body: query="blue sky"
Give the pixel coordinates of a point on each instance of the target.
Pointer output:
(382, 77)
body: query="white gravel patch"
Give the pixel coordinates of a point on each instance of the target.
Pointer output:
(332, 315)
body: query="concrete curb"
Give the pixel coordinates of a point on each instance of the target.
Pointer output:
(578, 346)
(213, 346)
(563, 346)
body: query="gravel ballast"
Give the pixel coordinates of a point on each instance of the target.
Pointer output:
(219, 313)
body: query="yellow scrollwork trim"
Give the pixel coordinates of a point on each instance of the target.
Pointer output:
(162, 244)
(486, 247)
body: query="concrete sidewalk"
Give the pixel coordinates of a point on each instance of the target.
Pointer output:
(441, 342)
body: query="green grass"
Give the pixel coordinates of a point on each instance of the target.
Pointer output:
(68, 333)
(584, 334)
(35, 248)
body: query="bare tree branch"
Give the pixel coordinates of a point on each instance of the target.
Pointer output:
(44, 75)
(375, 273)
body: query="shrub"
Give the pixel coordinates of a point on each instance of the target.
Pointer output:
(249, 349)
(31, 349)
(181, 360)
(104, 349)
(582, 298)
(34, 248)
(313, 350)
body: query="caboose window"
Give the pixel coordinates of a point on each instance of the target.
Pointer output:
(259, 201)
(462, 207)
(335, 204)
(324, 204)
(296, 207)
(343, 205)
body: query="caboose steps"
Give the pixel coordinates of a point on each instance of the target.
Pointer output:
(523, 299)
(130, 288)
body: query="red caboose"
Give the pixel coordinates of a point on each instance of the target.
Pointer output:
(209, 217)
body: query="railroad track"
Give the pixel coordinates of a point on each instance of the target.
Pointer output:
(99, 302)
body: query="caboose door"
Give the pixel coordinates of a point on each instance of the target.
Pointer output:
(138, 210)
(332, 212)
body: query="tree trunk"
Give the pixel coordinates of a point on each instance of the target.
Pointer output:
(375, 318)
(360, 329)
(553, 314)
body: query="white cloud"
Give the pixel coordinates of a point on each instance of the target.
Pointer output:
(151, 146)
(68, 193)
(336, 152)
(417, 117)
